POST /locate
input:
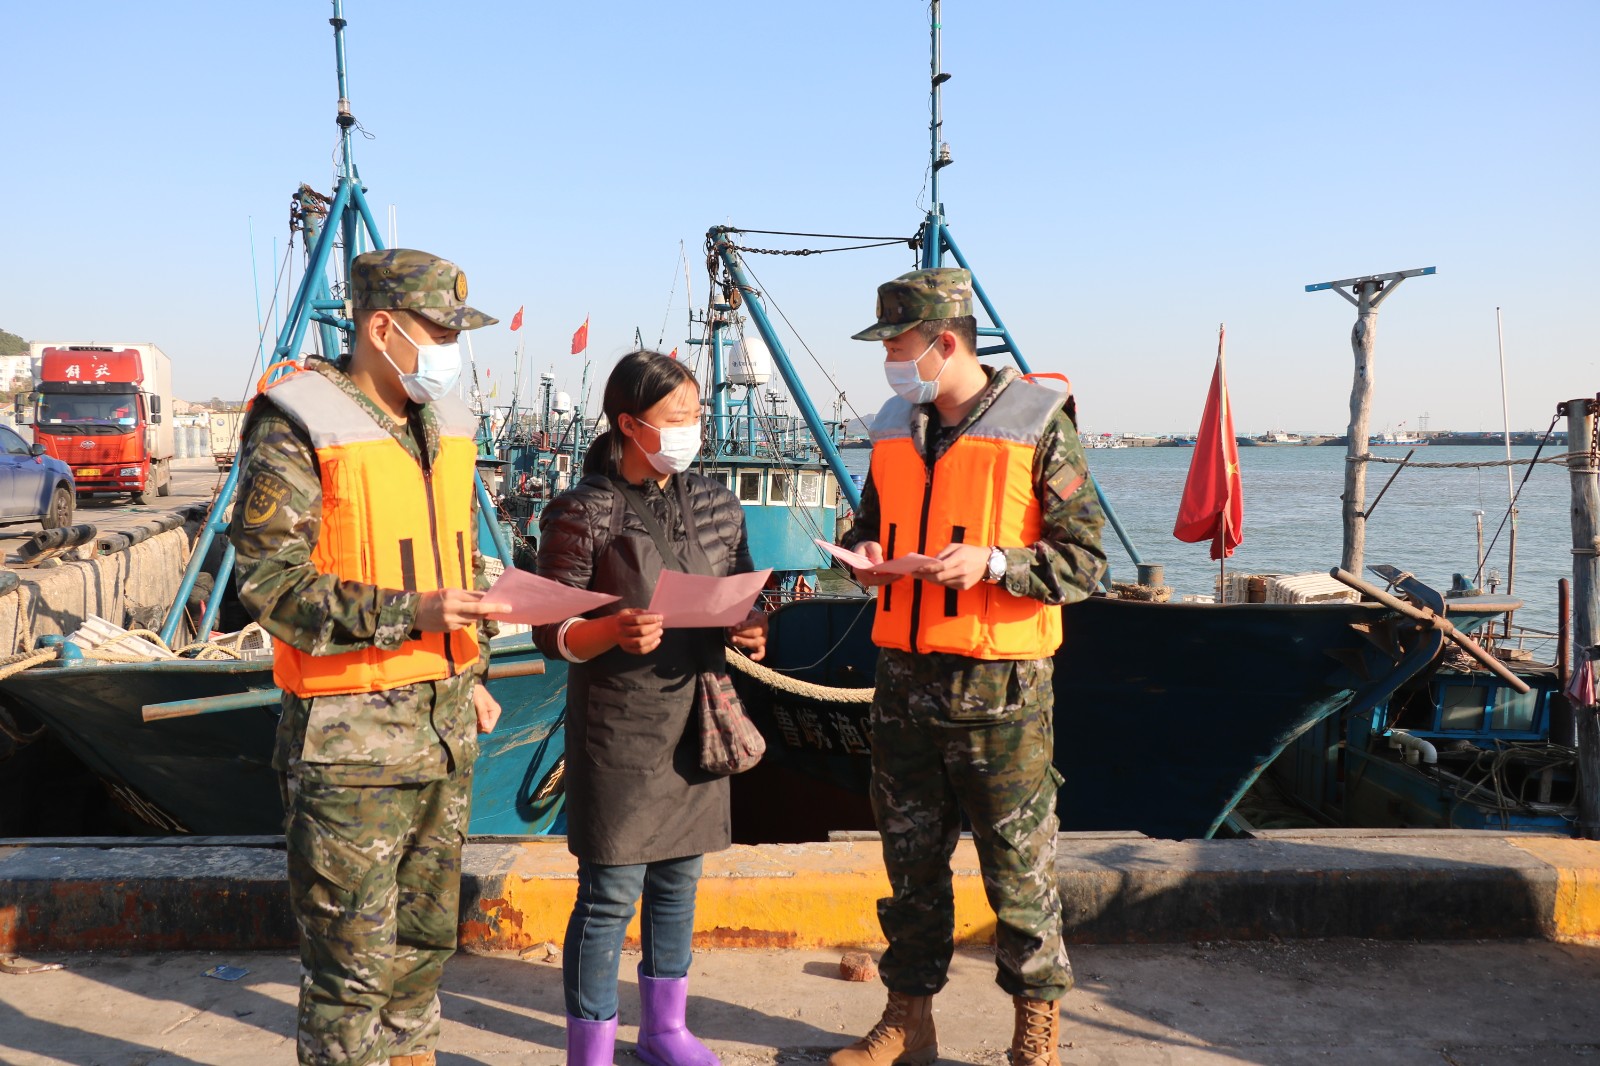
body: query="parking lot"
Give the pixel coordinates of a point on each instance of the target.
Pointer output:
(193, 481)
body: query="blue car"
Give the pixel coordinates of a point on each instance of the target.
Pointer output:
(34, 487)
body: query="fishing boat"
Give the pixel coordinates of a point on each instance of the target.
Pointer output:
(185, 744)
(1165, 714)
(1456, 747)
(1397, 439)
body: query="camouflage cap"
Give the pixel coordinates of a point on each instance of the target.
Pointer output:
(404, 279)
(920, 296)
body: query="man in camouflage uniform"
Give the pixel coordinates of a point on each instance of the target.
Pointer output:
(972, 733)
(376, 785)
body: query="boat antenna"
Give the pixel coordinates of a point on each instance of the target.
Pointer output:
(938, 150)
(1511, 490)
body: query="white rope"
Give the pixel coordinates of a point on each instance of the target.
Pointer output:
(1553, 459)
(793, 686)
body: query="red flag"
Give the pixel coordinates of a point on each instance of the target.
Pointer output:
(516, 320)
(580, 339)
(1213, 496)
(673, 354)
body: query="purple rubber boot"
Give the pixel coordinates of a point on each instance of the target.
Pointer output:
(591, 1043)
(663, 1038)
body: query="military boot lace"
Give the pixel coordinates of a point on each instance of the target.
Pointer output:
(891, 1028)
(1034, 1042)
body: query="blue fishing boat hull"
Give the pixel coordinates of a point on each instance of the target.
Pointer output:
(212, 773)
(1164, 713)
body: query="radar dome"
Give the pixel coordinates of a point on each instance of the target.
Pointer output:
(749, 363)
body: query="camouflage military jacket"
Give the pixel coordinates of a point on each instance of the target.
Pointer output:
(1067, 561)
(403, 735)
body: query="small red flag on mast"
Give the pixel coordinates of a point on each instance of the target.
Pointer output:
(580, 339)
(1213, 496)
(516, 320)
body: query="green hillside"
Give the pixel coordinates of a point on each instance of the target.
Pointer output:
(11, 344)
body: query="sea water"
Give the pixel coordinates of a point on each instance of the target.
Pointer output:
(1292, 518)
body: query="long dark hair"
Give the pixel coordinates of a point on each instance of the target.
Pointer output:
(640, 380)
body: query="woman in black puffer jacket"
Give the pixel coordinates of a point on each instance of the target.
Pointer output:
(640, 811)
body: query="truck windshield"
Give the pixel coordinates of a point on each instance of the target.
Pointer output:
(71, 411)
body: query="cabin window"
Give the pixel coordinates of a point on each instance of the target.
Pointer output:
(810, 489)
(749, 486)
(1462, 707)
(1515, 711)
(563, 463)
(721, 477)
(779, 488)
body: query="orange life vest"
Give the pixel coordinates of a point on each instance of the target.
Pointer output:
(980, 491)
(386, 521)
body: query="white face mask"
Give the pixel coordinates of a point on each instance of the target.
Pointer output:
(438, 367)
(907, 382)
(679, 446)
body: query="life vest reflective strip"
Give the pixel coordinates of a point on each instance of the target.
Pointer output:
(979, 492)
(386, 521)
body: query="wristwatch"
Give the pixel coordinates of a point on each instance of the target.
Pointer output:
(997, 566)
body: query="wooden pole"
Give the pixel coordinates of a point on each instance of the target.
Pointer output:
(1585, 608)
(1365, 294)
(1362, 336)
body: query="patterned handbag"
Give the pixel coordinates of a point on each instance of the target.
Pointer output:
(730, 743)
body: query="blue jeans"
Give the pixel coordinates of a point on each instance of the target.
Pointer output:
(606, 898)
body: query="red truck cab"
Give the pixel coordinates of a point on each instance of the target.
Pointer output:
(104, 411)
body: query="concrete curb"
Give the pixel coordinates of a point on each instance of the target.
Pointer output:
(224, 894)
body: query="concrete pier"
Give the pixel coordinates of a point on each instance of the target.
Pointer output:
(1334, 947)
(1116, 889)
(1334, 1003)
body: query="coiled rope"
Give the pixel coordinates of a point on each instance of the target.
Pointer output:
(229, 647)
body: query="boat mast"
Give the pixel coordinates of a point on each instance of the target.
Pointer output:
(936, 238)
(1368, 293)
(350, 216)
(346, 121)
(932, 251)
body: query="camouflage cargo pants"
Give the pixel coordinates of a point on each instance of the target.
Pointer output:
(375, 884)
(951, 734)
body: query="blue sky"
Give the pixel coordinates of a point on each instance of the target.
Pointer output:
(1127, 176)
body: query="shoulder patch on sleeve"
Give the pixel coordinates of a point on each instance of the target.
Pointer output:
(262, 499)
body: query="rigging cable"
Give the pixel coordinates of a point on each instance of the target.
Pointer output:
(1512, 506)
(774, 305)
(277, 290)
(683, 259)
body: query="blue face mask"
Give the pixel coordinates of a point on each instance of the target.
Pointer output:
(438, 368)
(906, 380)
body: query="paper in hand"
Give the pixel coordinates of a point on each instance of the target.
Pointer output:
(538, 601)
(903, 564)
(692, 601)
